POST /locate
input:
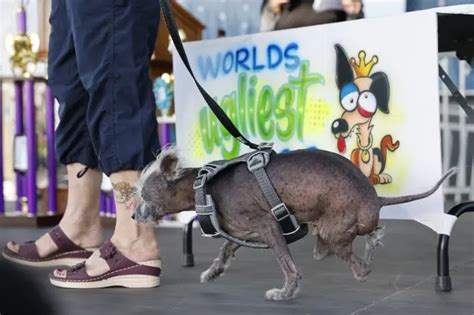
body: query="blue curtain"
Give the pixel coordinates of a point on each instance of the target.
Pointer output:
(235, 17)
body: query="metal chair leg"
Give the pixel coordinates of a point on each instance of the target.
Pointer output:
(443, 279)
(188, 256)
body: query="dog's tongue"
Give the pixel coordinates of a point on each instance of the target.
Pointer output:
(341, 144)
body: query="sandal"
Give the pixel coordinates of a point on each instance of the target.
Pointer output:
(68, 253)
(122, 273)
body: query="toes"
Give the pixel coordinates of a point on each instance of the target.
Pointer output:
(60, 273)
(14, 247)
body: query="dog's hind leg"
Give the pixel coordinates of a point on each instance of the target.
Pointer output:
(221, 263)
(341, 246)
(360, 269)
(372, 242)
(274, 238)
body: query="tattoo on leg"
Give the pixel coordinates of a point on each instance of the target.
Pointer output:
(124, 193)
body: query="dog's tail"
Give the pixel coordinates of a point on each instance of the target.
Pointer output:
(387, 201)
(388, 144)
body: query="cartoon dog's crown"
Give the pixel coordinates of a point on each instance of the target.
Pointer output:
(362, 69)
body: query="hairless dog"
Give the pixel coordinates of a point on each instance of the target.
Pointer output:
(321, 188)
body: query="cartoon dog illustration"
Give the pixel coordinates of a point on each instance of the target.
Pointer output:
(360, 97)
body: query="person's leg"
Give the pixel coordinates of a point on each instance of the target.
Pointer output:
(114, 41)
(81, 222)
(135, 241)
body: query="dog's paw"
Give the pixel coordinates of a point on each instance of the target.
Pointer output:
(320, 252)
(279, 294)
(209, 275)
(361, 272)
(361, 278)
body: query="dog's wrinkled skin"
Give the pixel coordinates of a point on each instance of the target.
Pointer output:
(321, 188)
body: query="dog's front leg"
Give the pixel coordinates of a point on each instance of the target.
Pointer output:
(274, 238)
(221, 263)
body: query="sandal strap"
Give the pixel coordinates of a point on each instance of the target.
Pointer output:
(29, 249)
(113, 257)
(62, 241)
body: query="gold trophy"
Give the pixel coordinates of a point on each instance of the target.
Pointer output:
(23, 48)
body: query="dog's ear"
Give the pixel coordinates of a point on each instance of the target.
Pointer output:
(381, 89)
(344, 72)
(168, 165)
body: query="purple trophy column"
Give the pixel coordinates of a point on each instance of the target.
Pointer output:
(52, 197)
(32, 150)
(108, 207)
(164, 134)
(21, 20)
(2, 197)
(19, 131)
(103, 203)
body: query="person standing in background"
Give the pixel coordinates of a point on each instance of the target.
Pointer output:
(285, 14)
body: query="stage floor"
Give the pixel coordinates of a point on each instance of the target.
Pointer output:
(402, 281)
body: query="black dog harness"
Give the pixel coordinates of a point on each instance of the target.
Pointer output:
(256, 162)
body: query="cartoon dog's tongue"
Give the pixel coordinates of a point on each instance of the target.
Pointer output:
(341, 144)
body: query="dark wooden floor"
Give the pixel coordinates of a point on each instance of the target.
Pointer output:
(402, 281)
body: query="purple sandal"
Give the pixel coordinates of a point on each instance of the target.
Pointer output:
(122, 273)
(68, 253)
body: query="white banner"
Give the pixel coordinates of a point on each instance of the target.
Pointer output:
(366, 89)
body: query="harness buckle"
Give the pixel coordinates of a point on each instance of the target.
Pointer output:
(287, 221)
(265, 146)
(200, 181)
(207, 169)
(280, 212)
(258, 160)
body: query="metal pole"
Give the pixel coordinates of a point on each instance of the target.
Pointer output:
(2, 197)
(188, 256)
(443, 279)
(32, 148)
(52, 179)
(19, 130)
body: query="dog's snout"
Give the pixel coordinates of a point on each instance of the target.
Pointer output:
(339, 126)
(133, 216)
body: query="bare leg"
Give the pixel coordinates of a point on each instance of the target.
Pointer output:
(135, 241)
(273, 237)
(81, 221)
(221, 263)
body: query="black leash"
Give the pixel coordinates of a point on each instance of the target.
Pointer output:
(216, 109)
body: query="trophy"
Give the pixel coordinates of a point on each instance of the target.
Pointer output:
(23, 48)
